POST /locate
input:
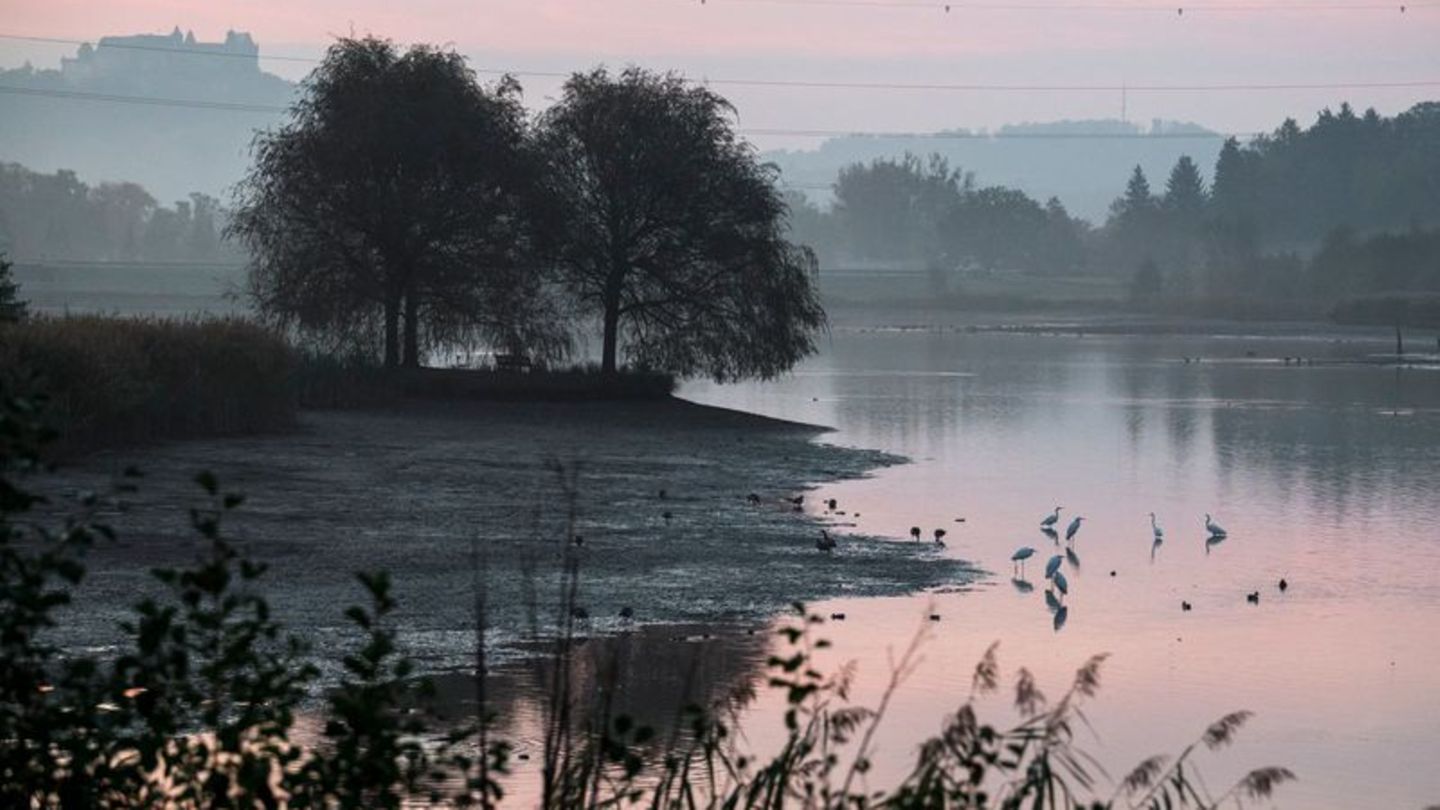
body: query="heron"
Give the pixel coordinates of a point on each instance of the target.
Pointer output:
(1253, 597)
(1053, 566)
(1051, 519)
(1155, 527)
(1215, 529)
(940, 537)
(1020, 556)
(831, 504)
(1073, 528)
(915, 533)
(1283, 585)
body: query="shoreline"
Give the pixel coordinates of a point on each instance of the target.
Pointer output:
(420, 489)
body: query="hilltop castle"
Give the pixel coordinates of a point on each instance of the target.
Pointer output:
(148, 54)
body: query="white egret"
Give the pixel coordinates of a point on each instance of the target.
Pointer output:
(1072, 529)
(1053, 566)
(1155, 527)
(1051, 519)
(1020, 556)
(1215, 529)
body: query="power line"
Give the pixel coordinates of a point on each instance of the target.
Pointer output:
(806, 84)
(159, 49)
(1178, 9)
(1001, 135)
(77, 95)
(115, 98)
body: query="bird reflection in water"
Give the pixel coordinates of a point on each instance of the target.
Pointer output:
(1052, 602)
(1021, 585)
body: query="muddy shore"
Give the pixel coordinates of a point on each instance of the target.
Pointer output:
(419, 490)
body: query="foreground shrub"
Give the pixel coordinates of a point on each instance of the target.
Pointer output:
(119, 380)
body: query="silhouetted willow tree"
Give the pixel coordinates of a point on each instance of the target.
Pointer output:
(392, 206)
(668, 226)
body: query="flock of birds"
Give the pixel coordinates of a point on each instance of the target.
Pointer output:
(1059, 586)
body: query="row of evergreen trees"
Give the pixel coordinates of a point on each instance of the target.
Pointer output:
(1298, 213)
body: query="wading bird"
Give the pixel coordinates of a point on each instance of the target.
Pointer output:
(1051, 519)
(1053, 566)
(1073, 528)
(1215, 529)
(1020, 556)
(940, 537)
(915, 533)
(1155, 527)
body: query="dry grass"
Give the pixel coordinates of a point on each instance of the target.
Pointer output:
(115, 380)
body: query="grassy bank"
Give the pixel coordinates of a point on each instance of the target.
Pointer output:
(125, 380)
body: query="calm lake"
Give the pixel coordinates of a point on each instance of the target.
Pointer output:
(1322, 474)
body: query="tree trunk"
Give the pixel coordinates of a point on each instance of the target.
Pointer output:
(612, 338)
(412, 330)
(613, 286)
(392, 331)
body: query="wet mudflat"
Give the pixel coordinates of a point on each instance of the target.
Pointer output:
(453, 496)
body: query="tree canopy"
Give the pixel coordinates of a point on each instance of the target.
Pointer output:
(393, 207)
(665, 224)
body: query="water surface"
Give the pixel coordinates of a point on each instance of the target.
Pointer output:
(1323, 474)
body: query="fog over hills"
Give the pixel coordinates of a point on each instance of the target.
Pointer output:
(175, 150)
(171, 150)
(1087, 174)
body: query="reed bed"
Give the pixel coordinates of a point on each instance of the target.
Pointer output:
(112, 380)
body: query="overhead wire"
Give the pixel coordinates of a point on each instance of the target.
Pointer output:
(810, 84)
(117, 98)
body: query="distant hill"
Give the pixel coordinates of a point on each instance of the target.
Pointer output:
(170, 150)
(174, 151)
(1061, 159)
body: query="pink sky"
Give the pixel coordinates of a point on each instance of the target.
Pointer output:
(726, 38)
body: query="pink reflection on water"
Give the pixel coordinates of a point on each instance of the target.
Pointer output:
(1311, 471)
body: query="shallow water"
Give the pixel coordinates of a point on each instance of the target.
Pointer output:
(1322, 474)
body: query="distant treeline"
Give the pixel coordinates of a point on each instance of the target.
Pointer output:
(58, 217)
(1321, 214)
